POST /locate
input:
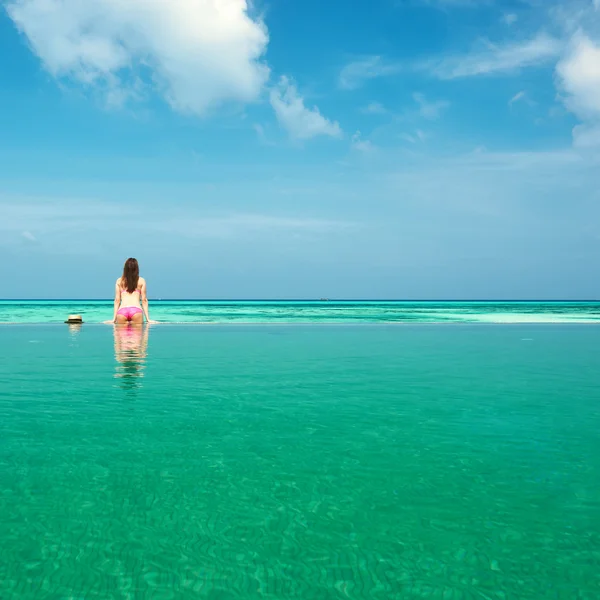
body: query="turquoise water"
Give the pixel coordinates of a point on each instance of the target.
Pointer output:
(190, 311)
(222, 462)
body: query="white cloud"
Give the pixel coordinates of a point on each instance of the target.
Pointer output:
(302, 123)
(578, 78)
(430, 110)
(361, 145)
(586, 136)
(497, 58)
(509, 18)
(195, 53)
(356, 73)
(29, 236)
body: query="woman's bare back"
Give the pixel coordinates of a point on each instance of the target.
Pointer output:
(134, 298)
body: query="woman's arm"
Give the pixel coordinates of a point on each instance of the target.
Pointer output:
(117, 302)
(144, 301)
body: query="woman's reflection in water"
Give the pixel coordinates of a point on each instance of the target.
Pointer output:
(131, 349)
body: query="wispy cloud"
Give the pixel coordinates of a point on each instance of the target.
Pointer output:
(60, 218)
(263, 138)
(447, 4)
(495, 59)
(509, 18)
(374, 108)
(408, 137)
(487, 59)
(302, 123)
(430, 110)
(357, 143)
(237, 224)
(356, 73)
(418, 136)
(198, 54)
(518, 96)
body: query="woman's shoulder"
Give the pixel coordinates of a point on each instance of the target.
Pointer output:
(141, 281)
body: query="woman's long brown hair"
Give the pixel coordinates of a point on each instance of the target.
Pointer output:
(131, 275)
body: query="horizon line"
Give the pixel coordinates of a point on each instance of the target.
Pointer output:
(320, 300)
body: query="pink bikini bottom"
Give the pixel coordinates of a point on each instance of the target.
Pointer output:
(129, 311)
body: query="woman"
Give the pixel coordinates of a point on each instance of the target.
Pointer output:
(131, 301)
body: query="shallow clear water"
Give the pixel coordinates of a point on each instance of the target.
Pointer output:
(271, 311)
(440, 462)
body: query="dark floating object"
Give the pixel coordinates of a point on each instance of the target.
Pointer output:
(74, 320)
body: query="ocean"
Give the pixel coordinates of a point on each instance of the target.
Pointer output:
(310, 311)
(348, 460)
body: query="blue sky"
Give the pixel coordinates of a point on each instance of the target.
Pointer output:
(383, 149)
